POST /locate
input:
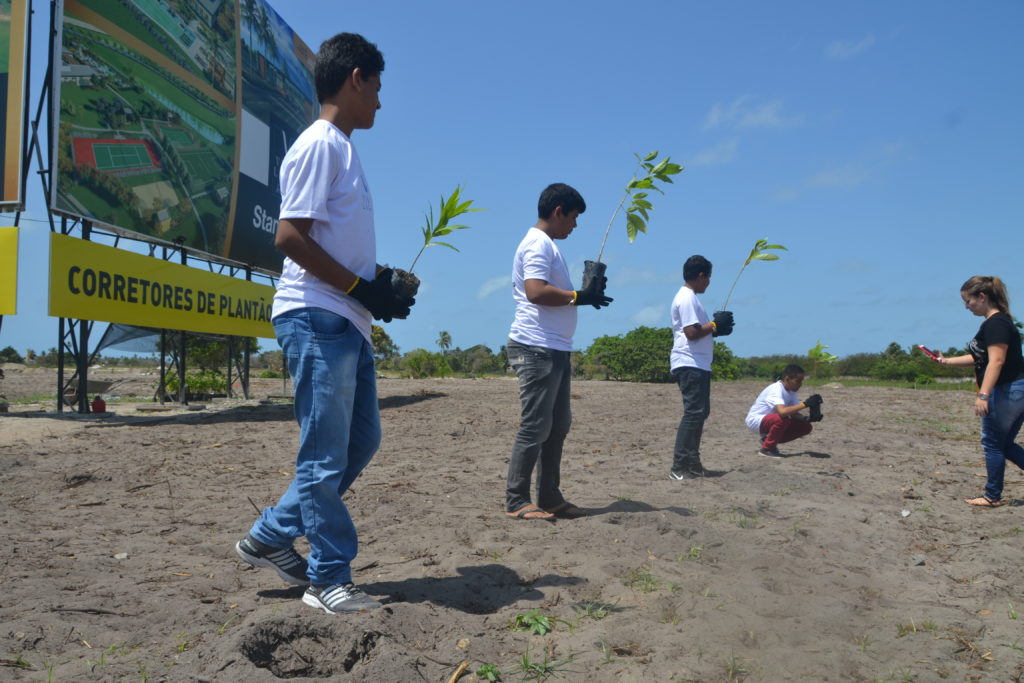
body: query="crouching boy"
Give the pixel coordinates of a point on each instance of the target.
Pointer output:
(775, 415)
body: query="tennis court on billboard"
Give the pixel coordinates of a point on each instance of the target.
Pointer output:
(149, 138)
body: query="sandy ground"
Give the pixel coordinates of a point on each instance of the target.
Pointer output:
(853, 559)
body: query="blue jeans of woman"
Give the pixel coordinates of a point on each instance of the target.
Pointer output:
(331, 365)
(544, 376)
(999, 431)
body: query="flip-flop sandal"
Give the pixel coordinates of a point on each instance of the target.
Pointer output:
(568, 511)
(986, 502)
(528, 512)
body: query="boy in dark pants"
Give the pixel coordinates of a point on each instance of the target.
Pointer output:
(539, 345)
(692, 352)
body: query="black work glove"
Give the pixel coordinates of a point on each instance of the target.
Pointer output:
(813, 403)
(723, 323)
(380, 299)
(593, 294)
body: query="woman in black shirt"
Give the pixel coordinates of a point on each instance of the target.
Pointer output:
(995, 353)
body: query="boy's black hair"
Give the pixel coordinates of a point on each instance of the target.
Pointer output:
(694, 266)
(792, 370)
(559, 194)
(339, 56)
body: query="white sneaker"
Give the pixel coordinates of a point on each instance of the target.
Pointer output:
(338, 598)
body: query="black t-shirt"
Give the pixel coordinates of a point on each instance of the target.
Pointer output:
(997, 329)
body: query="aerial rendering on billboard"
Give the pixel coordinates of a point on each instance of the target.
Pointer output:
(173, 116)
(13, 43)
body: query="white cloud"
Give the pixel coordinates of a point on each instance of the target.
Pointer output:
(495, 284)
(722, 153)
(747, 112)
(652, 315)
(842, 49)
(846, 175)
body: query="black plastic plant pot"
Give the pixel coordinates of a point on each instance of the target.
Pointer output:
(404, 283)
(591, 270)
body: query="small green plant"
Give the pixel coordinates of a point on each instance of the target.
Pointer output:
(641, 580)
(734, 670)
(650, 171)
(1010, 611)
(863, 642)
(183, 641)
(607, 653)
(22, 663)
(533, 621)
(694, 553)
(541, 670)
(594, 609)
(820, 357)
(929, 626)
(756, 254)
(224, 626)
(488, 672)
(449, 209)
(906, 629)
(746, 521)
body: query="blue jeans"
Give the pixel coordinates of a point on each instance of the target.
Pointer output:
(695, 386)
(544, 376)
(999, 430)
(332, 369)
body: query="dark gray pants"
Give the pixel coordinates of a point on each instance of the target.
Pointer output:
(695, 385)
(544, 376)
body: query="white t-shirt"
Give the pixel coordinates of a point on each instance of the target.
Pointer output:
(322, 179)
(773, 395)
(687, 310)
(552, 327)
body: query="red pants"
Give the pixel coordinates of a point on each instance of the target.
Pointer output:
(776, 429)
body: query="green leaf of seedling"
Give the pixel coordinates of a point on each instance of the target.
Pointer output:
(672, 169)
(634, 225)
(443, 244)
(765, 257)
(651, 156)
(645, 184)
(660, 168)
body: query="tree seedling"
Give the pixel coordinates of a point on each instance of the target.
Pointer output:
(756, 254)
(488, 672)
(454, 206)
(533, 621)
(650, 172)
(819, 356)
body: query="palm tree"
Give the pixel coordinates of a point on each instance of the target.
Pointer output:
(444, 342)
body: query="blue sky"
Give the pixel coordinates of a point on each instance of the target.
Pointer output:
(881, 142)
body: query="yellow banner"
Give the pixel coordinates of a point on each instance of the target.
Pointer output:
(8, 271)
(96, 282)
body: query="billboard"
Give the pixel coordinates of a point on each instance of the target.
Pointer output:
(93, 281)
(173, 116)
(13, 77)
(8, 271)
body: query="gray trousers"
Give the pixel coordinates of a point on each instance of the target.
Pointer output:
(544, 376)
(695, 386)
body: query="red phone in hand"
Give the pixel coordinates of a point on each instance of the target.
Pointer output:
(928, 352)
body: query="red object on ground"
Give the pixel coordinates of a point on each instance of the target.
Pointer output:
(98, 405)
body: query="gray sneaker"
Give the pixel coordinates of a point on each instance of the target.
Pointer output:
(288, 564)
(339, 598)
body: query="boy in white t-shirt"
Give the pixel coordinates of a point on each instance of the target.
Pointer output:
(693, 350)
(775, 415)
(539, 345)
(330, 287)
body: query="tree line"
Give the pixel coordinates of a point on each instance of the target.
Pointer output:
(640, 355)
